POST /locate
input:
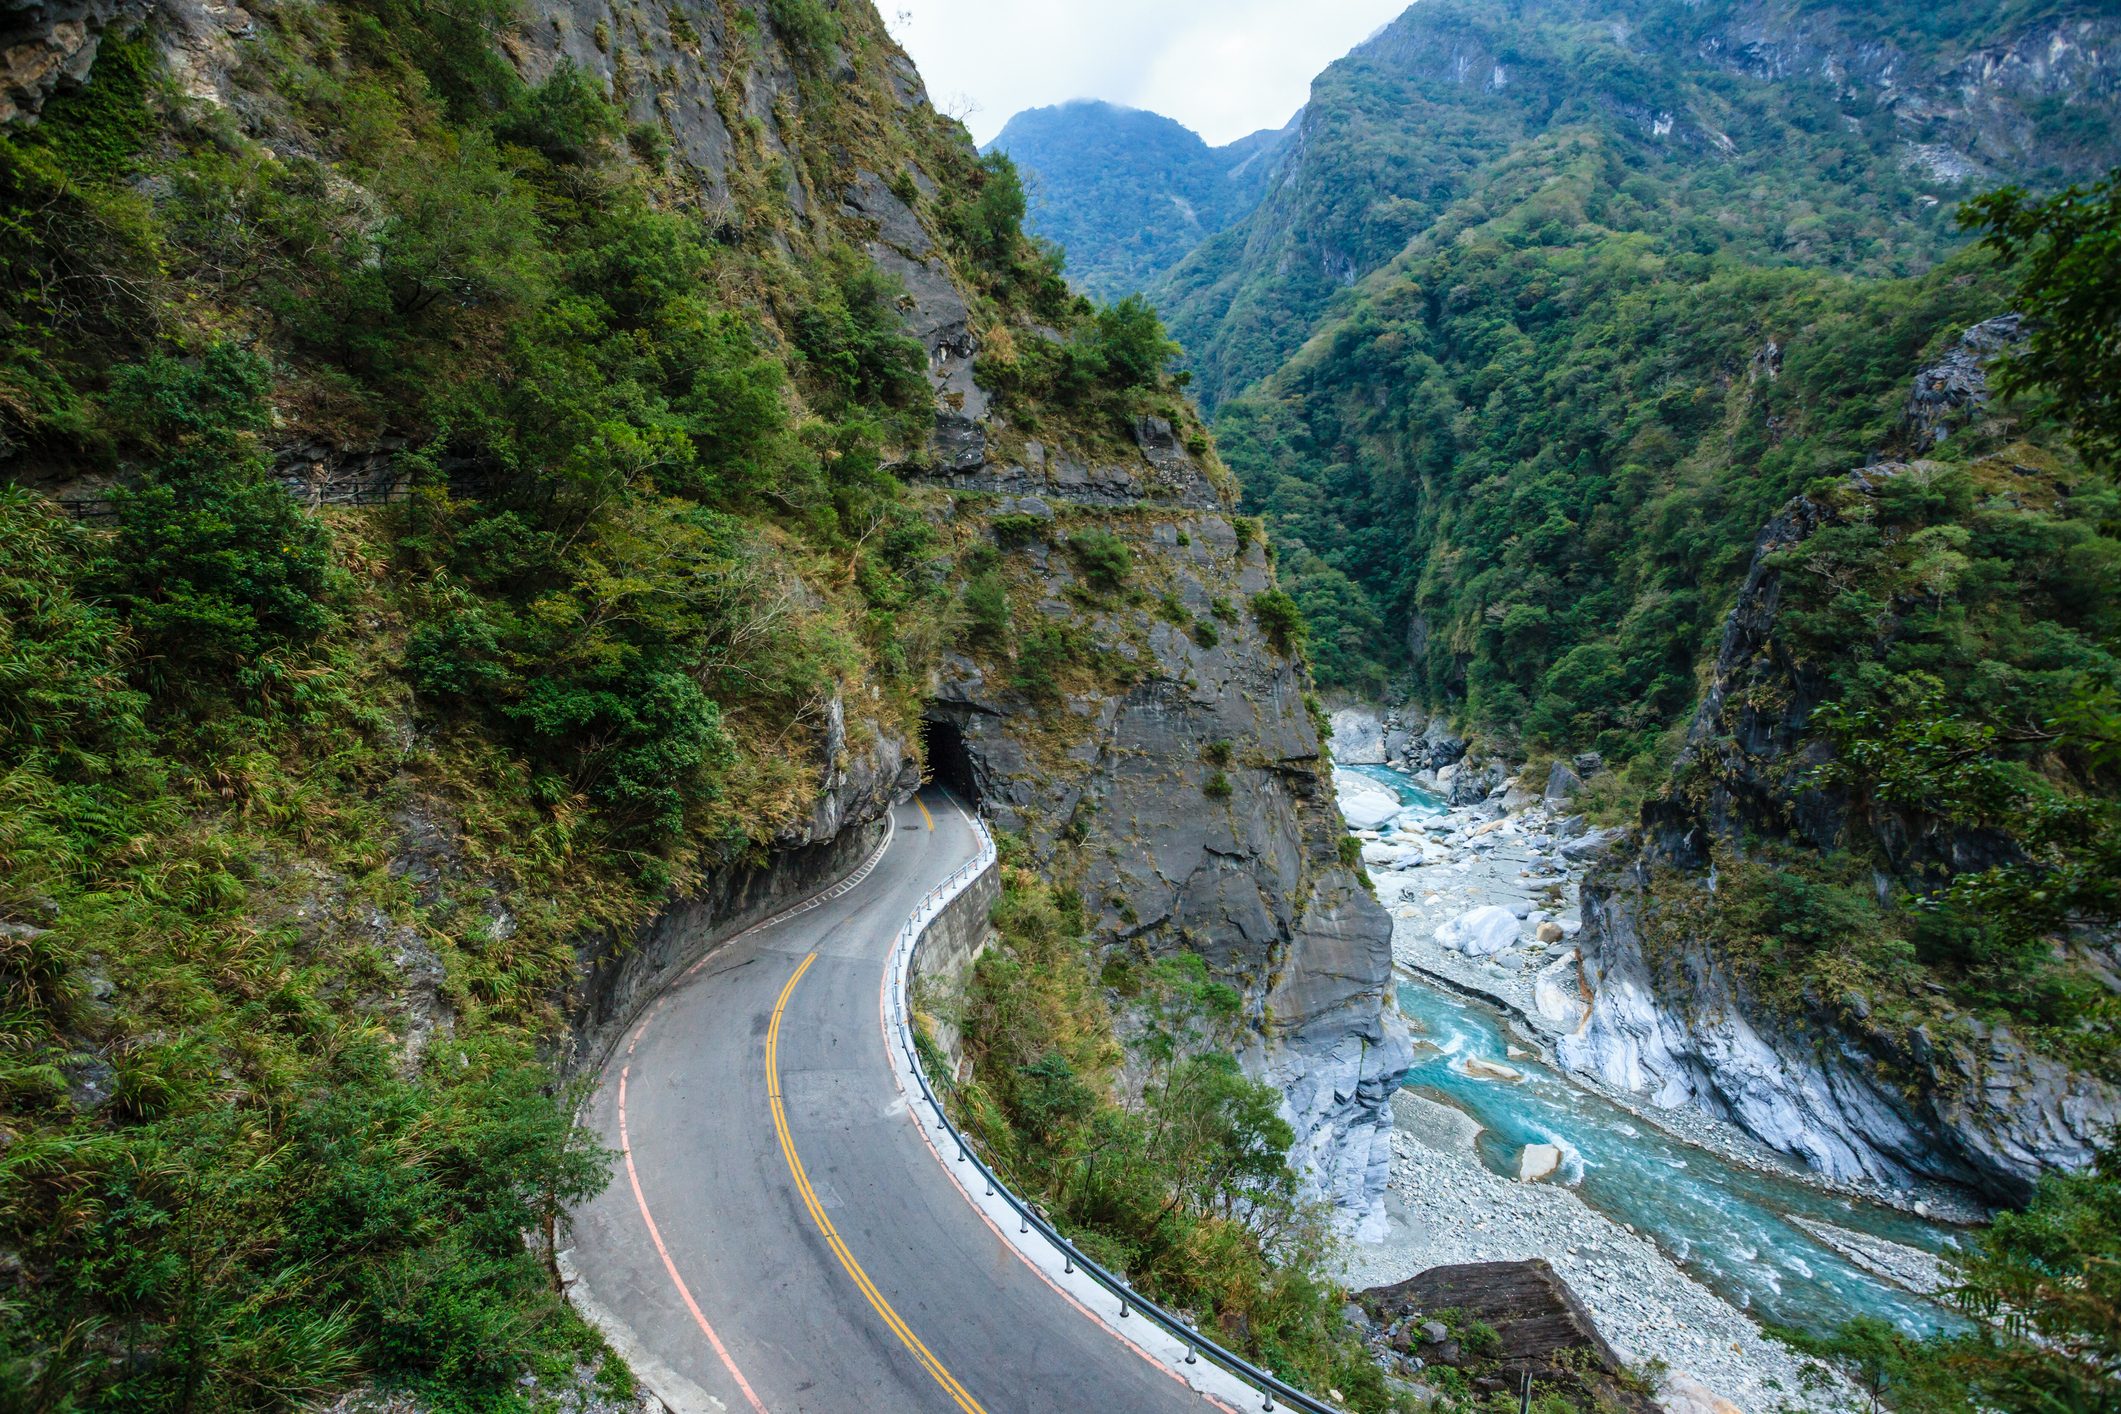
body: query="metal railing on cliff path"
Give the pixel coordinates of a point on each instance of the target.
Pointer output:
(1274, 1391)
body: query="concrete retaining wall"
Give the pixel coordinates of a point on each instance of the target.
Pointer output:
(942, 960)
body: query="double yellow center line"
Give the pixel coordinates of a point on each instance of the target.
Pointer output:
(867, 1287)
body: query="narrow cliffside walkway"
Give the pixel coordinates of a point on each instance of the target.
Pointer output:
(778, 1235)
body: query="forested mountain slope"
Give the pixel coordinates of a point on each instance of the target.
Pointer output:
(1521, 473)
(1128, 194)
(1806, 134)
(493, 494)
(1569, 357)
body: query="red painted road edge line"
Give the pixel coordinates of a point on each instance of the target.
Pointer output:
(655, 1236)
(625, 1140)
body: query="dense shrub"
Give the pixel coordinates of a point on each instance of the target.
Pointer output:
(213, 562)
(1041, 656)
(1189, 1192)
(1103, 557)
(2041, 1287)
(1132, 348)
(2068, 247)
(853, 339)
(1281, 619)
(987, 615)
(990, 223)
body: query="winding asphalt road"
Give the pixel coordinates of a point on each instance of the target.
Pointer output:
(779, 1236)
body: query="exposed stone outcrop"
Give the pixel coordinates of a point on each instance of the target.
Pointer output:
(1975, 1108)
(1185, 795)
(1856, 1097)
(1955, 390)
(1192, 810)
(46, 42)
(1965, 118)
(1539, 1325)
(1358, 737)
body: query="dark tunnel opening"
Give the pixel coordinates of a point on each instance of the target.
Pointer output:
(949, 760)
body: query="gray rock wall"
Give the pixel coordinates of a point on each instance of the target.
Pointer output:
(44, 43)
(621, 976)
(1190, 805)
(1976, 1108)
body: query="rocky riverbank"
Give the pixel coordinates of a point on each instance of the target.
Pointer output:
(1484, 899)
(1446, 1207)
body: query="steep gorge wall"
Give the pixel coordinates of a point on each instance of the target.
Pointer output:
(1181, 787)
(1109, 785)
(1179, 783)
(1858, 1092)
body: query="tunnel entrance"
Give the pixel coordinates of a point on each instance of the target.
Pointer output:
(949, 761)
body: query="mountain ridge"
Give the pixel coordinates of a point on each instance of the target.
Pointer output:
(1482, 77)
(1105, 182)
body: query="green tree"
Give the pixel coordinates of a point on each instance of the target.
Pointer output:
(2047, 1284)
(1281, 619)
(2066, 251)
(213, 562)
(853, 338)
(991, 223)
(987, 613)
(1131, 345)
(1103, 557)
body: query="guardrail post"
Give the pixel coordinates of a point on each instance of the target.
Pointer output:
(1192, 1353)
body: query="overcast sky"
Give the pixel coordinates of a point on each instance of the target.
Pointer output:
(1224, 68)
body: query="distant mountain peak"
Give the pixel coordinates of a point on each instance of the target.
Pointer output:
(1105, 181)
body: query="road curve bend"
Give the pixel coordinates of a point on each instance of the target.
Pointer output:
(779, 1238)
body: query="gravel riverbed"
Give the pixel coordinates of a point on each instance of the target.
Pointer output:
(1446, 1206)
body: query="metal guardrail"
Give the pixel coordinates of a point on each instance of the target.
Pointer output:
(1271, 1387)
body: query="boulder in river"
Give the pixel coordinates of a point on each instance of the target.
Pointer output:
(1538, 1161)
(1491, 1070)
(1364, 804)
(1481, 932)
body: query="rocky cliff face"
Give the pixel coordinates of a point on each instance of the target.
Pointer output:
(1180, 785)
(1969, 111)
(1110, 784)
(1956, 1099)
(42, 45)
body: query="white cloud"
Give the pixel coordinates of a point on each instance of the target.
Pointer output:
(1224, 68)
